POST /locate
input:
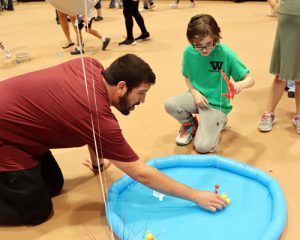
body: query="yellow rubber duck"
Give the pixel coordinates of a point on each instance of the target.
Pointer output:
(227, 199)
(150, 236)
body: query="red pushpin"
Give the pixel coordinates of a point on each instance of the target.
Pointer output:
(216, 188)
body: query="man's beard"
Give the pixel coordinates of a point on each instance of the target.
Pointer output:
(124, 106)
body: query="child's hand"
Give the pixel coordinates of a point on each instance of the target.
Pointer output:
(200, 100)
(237, 87)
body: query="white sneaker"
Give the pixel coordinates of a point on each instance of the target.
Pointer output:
(192, 4)
(186, 132)
(173, 5)
(266, 122)
(296, 122)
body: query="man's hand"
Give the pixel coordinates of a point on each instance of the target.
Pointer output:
(210, 201)
(103, 165)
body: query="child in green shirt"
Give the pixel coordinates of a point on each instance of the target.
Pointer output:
(203, 59)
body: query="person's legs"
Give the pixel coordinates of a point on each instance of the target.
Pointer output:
(112, 4)
(296, 119)
(63, 19)
(98, 9)
(94, 33)
(212, 122)
(274, 4)
(140, 21)
(138, 17)
(128, 12)
(25, 194)
(73, 21)
(105, 40)
(120, 2)
(297, 96)
(174, 4)
(10, 5)
(79, 38)
(52, 174)
(182, 107)
(192, 3)
(56, 17)
(268, 118)
(277, 90)
(146, 4)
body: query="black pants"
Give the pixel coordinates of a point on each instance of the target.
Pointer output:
(25, 195)
(131, 9)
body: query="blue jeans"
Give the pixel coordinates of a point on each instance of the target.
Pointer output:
(112, 3)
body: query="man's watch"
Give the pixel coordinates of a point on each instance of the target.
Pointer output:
(96, 168)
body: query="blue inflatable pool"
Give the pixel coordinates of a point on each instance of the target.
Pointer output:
(257, 209)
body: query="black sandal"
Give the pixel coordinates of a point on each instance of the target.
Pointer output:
(67, 45)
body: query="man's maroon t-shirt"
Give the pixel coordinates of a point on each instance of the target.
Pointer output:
(55, 108)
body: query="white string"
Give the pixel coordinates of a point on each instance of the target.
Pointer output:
(101, 151)
(91, 116)
(219, 133)
(220, 115)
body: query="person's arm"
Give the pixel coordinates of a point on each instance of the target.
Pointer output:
(160, 182)
(247, 82)
(200, 100)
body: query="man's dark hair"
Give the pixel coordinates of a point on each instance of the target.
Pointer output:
(202, 25)
(130, 69)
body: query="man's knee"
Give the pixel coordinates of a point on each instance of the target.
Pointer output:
(38, 214)
(56, 187)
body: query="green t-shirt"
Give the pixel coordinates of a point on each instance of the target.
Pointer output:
(204, 74)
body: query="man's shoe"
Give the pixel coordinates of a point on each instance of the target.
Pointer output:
(186, 132)
(266, 122)
(143, 37)
(296, 122)
(98, 18)
(76, 51)
(105, 43)
(127, 42)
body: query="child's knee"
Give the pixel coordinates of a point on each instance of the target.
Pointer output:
(204, 147)
(171, 106)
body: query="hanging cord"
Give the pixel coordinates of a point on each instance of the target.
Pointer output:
(219, 133)
(91, 116)
(220, 116)
(102, 175)
(230, 95)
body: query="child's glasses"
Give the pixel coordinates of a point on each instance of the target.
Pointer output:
(200, 48)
